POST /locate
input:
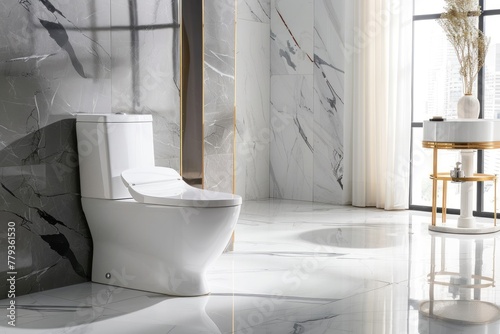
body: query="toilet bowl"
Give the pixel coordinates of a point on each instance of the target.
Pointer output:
(151, 231)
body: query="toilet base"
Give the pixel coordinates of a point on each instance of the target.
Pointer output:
(161, 249)
(150, 275)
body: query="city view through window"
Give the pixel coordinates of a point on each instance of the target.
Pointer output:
(437, 86)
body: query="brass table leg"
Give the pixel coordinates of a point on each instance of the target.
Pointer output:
(434, 185)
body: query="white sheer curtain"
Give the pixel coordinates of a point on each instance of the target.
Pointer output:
(378, 103)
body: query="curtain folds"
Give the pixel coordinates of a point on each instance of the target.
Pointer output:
(378, 103)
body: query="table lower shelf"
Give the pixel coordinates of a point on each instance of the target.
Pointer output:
(477, 177)
(451, 227)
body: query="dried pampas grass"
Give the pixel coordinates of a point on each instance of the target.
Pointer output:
(460, 25)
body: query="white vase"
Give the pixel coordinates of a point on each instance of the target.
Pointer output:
(468, 107)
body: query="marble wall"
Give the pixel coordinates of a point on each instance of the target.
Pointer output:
(63, 57)
(57, 59)
(219, 94)
(252, 98)
(307, 89)
(145, 72)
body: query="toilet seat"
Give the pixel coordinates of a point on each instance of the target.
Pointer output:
(164, 186)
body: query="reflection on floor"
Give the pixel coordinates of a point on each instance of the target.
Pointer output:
(302, 268)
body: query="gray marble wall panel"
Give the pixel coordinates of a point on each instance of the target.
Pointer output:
(252, 102)
(219, 94)
(328, 100)
(145, 69)
(53, 64)
(307, 90)
(40, 194)
(57, 59)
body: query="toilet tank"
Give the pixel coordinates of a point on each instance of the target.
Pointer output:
(108, 144)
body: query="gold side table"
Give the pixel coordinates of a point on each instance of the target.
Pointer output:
(467, 136)
(467, 148)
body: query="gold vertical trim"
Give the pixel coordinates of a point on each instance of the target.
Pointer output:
(203, 95)
(234, 144)
(235, 30)
(434, 185)
(181, 55)
(235, 27)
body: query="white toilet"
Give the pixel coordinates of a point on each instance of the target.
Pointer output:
(151, 231)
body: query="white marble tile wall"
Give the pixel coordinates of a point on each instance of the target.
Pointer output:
(292, 36)
(254, 10)
(252, 99)
(252, 169)
(307, 90)
(292, 136)
(328, 100)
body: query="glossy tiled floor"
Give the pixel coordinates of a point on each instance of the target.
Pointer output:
(302, 268)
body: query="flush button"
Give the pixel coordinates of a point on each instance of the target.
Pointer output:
(108, 275)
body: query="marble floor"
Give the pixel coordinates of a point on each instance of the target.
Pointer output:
(302, 268)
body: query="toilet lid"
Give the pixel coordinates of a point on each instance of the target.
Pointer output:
(164, 186)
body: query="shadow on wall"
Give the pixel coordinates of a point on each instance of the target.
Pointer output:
(40, 194)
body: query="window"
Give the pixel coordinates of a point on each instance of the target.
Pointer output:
(437, 86)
